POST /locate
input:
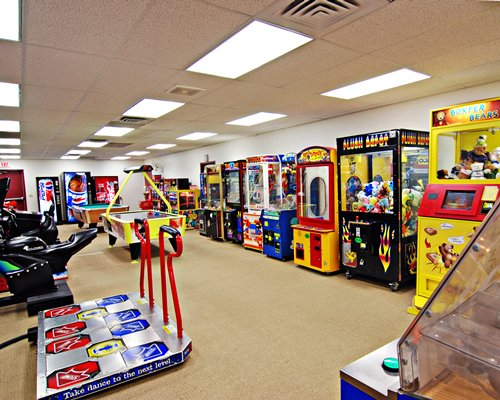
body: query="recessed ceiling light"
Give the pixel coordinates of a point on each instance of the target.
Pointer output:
(253, 46)
(113, 131)
(9, 94)
(379, 83)
(117, 158)
(150, 108)
(255, 119)
(197, 136)
(70, 157)
(10, 142)
(10, 157)
(160, 146)
(9, 20)
(75, 152)
(10, 126)
(93, 143)
(10, 151)
(137, 153)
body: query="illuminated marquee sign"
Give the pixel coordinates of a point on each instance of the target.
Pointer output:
(474, 112)
(314, 155)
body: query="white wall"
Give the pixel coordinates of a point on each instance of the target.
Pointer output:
(131, 195)
(413, 114)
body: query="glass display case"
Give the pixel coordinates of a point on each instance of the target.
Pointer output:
(381, 181)
(452, 348)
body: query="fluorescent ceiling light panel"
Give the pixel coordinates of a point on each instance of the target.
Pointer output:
(10, 151)
(76, 152)
(10, 142)
(197, 136)
(9, 94)
(12, 157)
(9, 19)
(255, 119)
(255, 45)
(150, 108)
(137, 153)
(93, 143)
(379, 83)
(120, 158)
(10, 126)
(160, 146)
(70, 157)
(113, 131)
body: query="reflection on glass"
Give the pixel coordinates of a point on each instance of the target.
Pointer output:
(273, 173)
(458, 200)
(255, 187)
(318, 197)
(313, 193)
(214, 195)
(233, 187)
(186, 201)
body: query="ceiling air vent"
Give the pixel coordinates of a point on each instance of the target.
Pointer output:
(117, 145)
(184, 90)
(318, 17)
(134, 120)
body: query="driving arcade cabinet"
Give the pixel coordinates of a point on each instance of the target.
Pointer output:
(464, 177)
(381, 182)
(315, 237)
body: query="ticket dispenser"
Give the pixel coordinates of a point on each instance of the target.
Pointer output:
(464, 177)
(315, 237)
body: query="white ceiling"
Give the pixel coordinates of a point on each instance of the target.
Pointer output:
(82, 64)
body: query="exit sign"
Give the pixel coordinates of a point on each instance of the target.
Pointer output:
(4, 164)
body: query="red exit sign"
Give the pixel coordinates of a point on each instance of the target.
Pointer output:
(4, 164)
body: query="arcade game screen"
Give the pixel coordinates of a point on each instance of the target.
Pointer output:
(458, 200)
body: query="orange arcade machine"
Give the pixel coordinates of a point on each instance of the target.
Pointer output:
(316, 236)
(464, 182)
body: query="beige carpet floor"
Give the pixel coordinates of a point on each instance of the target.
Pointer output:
(261, 328)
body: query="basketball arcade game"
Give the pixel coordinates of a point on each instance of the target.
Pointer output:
(234, 199)
(121, 225)
(315, 237)
(464, 177)
(95, 345)
(264, 192)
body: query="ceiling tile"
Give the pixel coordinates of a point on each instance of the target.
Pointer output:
(96, 27)
(44, 116)
(46, 98)
(10, 71)
(235, 93)
(242, 6)
(61, 69)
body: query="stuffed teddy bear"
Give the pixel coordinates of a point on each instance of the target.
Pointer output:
(477, 170)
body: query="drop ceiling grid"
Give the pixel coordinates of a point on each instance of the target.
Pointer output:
(174, 34)
(244, 7)
(476, 75)
(110, 102)
(10, 71)
(46, 98)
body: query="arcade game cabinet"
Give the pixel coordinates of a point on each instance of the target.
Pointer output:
(315, 236)
(234, 200)
(277, 224)
(464, 177)
(49, 193)
(185, 202)
(381, 183)
(263, 193)
(451, 349)
(213, 217)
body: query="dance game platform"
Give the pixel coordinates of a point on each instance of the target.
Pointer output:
(95, 345)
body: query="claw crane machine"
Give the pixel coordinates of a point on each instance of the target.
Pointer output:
(263, 193)
(234, 199)
(382, 176)
(212, 216)
(464, 182)
(277, 223)
(316, 236)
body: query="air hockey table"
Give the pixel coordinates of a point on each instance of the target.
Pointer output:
(121, 226)
(91, 214)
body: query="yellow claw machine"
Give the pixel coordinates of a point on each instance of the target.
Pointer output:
(316, 236)
(464, 182)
